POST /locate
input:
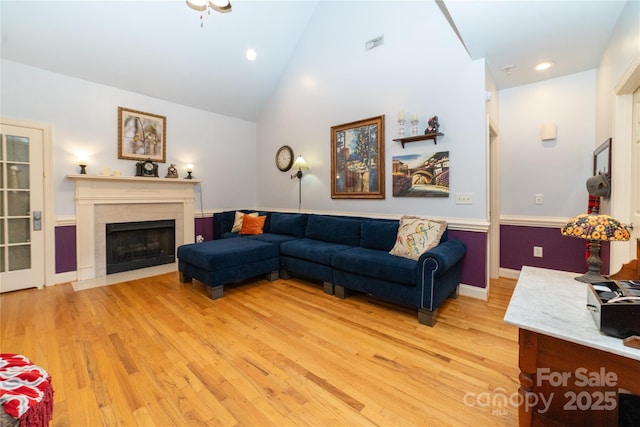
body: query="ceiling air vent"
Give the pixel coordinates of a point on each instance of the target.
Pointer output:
(378, 41)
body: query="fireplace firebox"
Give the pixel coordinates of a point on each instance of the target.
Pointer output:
(134, 245)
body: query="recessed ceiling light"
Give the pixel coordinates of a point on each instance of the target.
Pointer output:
(544, 65)
(251, 54)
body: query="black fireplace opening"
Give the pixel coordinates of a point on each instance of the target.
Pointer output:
(134, 245)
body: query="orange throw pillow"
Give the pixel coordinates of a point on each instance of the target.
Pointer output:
(252, 225)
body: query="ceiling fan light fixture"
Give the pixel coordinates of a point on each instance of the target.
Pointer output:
(199, 5)
(222, 6)
(220, 3)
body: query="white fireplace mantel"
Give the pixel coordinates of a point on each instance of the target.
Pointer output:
(125, 199)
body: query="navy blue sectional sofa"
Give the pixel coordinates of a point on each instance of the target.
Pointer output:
(348, 254)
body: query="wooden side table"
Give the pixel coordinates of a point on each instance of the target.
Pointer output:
(570, 373)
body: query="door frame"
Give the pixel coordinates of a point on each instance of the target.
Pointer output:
(493, 213)
(621, 189)
(48, 217)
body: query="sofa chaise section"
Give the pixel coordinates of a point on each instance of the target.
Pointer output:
(219, 262)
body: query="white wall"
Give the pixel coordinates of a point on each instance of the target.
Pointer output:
(619, 70)
(85, 119)
(622, 50)
(492, 95)
(331, 80)
(557, 169)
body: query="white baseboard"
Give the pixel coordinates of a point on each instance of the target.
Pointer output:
(66, 277)
(124, 276)
(509, 273)
(473, 292)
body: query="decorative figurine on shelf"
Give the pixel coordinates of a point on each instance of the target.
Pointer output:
(172, 172)
(433, 125)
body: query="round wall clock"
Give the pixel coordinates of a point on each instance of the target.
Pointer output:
(284, 158)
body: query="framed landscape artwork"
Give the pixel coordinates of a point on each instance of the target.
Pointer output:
(141, 136)
(421, 175)
(357, 159)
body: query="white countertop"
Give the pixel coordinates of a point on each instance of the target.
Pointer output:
(553, 303)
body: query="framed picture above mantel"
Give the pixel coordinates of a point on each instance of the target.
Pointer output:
(141, 135)
(357, 159)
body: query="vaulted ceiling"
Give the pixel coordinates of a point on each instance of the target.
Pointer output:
(158, 48)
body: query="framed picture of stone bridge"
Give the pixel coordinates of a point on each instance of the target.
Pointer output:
(421, 175)
(357, 159)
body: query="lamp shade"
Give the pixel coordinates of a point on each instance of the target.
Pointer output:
(597, 227)
(300, 164)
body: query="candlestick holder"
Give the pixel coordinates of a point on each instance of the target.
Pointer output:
(414, 127)
(401, 128)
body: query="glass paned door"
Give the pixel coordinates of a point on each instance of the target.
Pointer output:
(21, 204)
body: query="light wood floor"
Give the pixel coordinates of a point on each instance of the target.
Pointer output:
(154, 352)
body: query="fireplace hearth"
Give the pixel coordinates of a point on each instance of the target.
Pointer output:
(140, 244)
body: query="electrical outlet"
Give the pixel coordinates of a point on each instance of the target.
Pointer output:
(537, 251)
(539, 199)
(199, 238)
(464, 199)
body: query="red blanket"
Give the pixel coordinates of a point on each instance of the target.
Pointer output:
(25, 390)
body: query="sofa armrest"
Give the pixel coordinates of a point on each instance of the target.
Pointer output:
(439, 272)
(443, 257)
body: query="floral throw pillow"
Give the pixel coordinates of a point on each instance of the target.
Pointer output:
(237, 223)
(416, 236)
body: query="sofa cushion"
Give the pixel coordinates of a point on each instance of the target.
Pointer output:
(215, 255)
(312, 250)
(267, 222)
(416, 235)
(252, 225)
(274, 238)
(237, 223)
(333, 229)
(287, 223)
(380, 235)
(378, 264)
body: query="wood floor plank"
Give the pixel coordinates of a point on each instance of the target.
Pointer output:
(155, 352)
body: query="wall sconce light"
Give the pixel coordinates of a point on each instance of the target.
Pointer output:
(301, 165)
(83, 166)
(549, 131)
(189, 170)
